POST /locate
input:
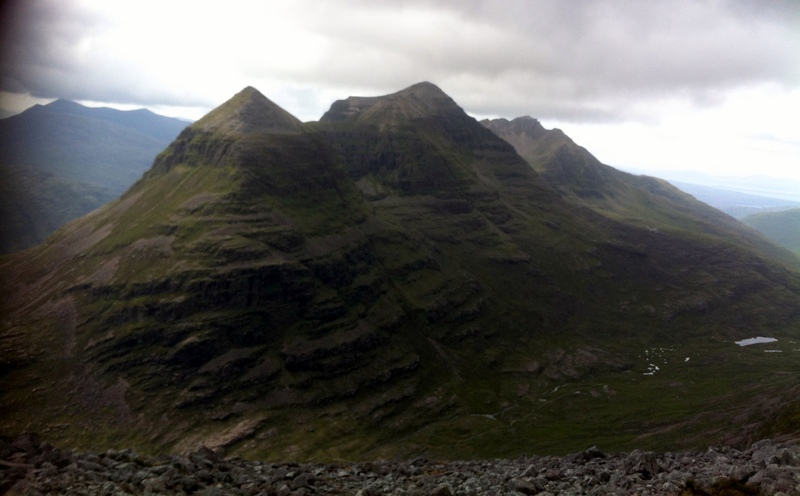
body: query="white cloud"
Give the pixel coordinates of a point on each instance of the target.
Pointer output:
(750, 133)
(600, 67)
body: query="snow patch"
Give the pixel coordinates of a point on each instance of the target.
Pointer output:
(758, 340)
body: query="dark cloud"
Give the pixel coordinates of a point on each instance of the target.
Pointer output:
(49, 51)
(37, 40)
(587, 59)
(578, 60)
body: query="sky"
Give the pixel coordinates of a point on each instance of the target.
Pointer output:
(707, 85)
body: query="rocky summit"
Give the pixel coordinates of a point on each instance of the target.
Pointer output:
(397, 280)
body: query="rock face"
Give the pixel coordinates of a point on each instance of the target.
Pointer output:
(386, 281)
(31, 467)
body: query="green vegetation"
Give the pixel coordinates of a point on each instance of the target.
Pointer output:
(781, 227)
(393, 280)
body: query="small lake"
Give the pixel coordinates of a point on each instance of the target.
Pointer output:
(758, 340)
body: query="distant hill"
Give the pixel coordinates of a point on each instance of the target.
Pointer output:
(63, 160)
(34, 203)
(782, 227)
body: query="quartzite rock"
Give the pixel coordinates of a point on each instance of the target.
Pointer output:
(208, 473)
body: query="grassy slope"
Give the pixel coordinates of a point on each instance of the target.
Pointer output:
(247, 293)
(781, 227)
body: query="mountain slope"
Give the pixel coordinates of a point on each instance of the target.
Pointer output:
(141, 121)
(34, 203)
(782, 227)
(392, 280)
(64, 160)
(734, 203)
(637, 200)
(101, 146)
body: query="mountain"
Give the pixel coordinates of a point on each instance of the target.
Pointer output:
(64, 160)
(90, 145)
(638, 200)
(390, 281)
(34, 203)
(583, 180)
(782, 227)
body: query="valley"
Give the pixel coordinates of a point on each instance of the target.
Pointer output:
(397, 280)
(62, 160)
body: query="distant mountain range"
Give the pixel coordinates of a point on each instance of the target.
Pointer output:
(397, 280)
(62, 160)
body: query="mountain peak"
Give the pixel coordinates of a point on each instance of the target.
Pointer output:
(520, 126)
(249, 112)
(423, 89)
(59, 106)
(62, 104)
(419, 100)
(431, 96)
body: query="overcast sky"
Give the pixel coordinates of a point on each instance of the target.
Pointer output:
(709, 85)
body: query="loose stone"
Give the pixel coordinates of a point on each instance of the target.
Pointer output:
(30, 467)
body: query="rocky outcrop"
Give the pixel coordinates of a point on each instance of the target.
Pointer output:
(28, 466)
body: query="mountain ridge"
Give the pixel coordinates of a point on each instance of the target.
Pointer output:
(584, 180)
(392, 280)
(141, 120)
(63, 160)
(418, 100)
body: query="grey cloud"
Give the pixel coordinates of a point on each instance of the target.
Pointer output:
(42, 55)
(583, 52)
(579, 60)
(37, 38)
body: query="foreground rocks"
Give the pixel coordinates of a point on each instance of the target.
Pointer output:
(30, 467)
